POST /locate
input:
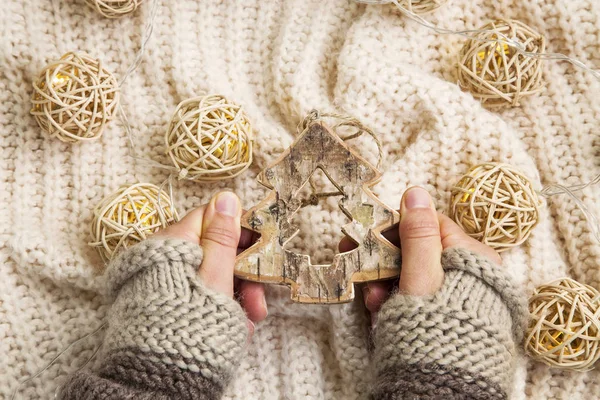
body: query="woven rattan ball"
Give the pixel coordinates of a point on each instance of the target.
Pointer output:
(421, 6)
(494, 71)
(114, 8)
(495, 204)
(564, 329)
(130, 215)
(74, 98)
(209, 139)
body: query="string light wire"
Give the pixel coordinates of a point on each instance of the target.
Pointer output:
(149, 28)
(472, 34)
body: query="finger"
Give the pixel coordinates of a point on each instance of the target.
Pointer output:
(393, 236)
(454, 237)
(188, 228)
(421, 244)
(247, 238)
(375, 294)
(346, 244)
(251, 296)
(220, 237)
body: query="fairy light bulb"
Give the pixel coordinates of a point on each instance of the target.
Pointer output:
(502, 52)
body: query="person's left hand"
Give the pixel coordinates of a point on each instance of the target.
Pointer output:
(216, 227)
(422, 235)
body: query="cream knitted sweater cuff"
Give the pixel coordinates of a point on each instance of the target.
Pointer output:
(458, 343)
(168, 335)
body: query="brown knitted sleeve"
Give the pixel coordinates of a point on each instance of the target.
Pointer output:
(168, 336)
(456, 344)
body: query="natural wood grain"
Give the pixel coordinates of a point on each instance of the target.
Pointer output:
(268, 261)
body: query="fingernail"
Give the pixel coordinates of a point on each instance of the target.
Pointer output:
(228, 204)
(417, 198)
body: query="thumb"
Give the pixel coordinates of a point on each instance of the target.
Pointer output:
(421, 244)
(220, 237)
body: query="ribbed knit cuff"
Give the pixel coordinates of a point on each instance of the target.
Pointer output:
(167, 333)
(458, 343)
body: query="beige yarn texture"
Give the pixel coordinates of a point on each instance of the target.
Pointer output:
(130, 215)
(114, 8)
(564, 329)
(279, 60)
(494, 71)
(74, 98)
(209, 138)
(496, 204)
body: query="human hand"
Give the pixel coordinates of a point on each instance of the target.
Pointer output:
(216, 227)
(422, 235)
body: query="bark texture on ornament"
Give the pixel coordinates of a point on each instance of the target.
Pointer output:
(268, 261)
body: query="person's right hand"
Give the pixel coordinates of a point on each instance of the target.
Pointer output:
(422, 235)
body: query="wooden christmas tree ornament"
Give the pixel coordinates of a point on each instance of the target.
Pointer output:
(74, 98)
(268, 260)
(114, 8)
(209, 139)
(564, 328)
(130, 215)
(492, 69)
(496, 204)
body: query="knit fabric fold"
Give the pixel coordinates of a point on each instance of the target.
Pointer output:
(168, 335)
(458, 343)
(279, 60)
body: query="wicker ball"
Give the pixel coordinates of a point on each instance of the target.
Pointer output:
(209, 139)
(114, 8)
(74, 98)
(564, 328)
(130, 215)
(495, 204)
(494, 71)
(422, 6)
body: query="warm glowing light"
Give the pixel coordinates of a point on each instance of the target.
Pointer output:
(229, 146)
(59, 80)
(502, 51)
(140, 216)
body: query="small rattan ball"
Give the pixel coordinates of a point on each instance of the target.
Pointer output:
(564, 327)
(494, 71)
(74, 98)
(422, 6)
(114, 8)
(209, 139)
(130, 215)
(496, 204)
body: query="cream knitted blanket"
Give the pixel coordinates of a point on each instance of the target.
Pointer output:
(280, 59)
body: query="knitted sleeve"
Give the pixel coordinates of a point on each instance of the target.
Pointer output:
(168, 336)
(456, 344)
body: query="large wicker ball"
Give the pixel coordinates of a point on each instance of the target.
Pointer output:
(130, 215)
(494, 71)
(209, 139)
(564, 328)
(496, 204)
(114, 8)
(74, 98)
